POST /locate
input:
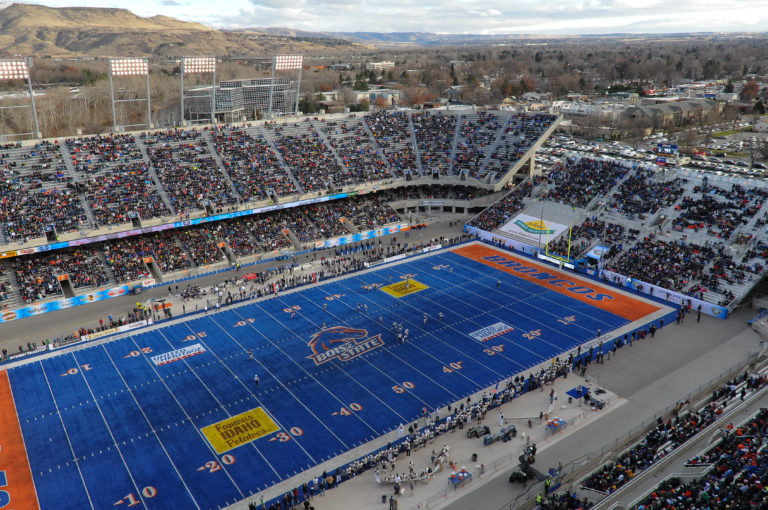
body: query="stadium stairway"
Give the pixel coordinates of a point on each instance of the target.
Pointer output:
(455, 144)
(294, 239)
(416, 152)
(259, 131)
(107, 268)
(352, 229)
(67, 157)
(12, 298)
(220, 164)
(325, 141)
(378, 148)
(484, 167)
(155, 178)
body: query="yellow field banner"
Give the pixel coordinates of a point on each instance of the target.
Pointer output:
(403, 288)
(239, 430)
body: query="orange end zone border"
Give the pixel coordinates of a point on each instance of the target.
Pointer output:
(19, 489)
(566, 284)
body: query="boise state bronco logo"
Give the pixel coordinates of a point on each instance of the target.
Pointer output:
(534, 227)
(341, 342)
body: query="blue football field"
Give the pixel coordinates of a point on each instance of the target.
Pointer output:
(173, 417)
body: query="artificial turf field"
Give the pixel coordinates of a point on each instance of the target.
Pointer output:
(173, 418)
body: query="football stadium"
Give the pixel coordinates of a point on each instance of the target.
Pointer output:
(357, 310)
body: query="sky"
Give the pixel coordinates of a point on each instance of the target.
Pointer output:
(555, 17)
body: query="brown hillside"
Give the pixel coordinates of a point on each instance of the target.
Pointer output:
(38, 30)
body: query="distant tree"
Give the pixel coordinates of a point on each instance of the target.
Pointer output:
(347, 96)
(750, 91)
(380, 103)
(728, 89)
(759, 107)
(308, 105)
(711, 69)
(528, 84)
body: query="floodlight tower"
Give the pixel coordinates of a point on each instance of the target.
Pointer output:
(286, 63)
(199, 65)
(129, 66)
(17, 69)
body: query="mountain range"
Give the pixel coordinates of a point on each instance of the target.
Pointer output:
(28, 29)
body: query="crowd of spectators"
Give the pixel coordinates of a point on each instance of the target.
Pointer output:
(577, 182)
(36, 191)
(268, 231)
(201, 244)
(521, 132)
(502, 211)
(737, 479)
(311, 162)
(434, 132)
(718, 210)
(251, 164)
(477, 134)
(114, 178)
(237, 234)
(26, 213)
(37, 275)
(673, 265)
(366, 213)
(583, 236)
(187, 170)
(125, 256)
(392, 133)
(667, 436)
(639, 194)
(352, 145)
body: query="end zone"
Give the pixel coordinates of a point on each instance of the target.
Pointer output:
(566, 284)
(17, 490)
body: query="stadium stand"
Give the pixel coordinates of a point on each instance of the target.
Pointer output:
(669, 435)
(392, 133)
(701, 235)
(477, 133)
(434, 135)
(37, 274)
(251, 164)
(736, 478)
(313, 164)
(519, 135)
(36, 191)
(351, 142)
(114, 178)
(188, 172)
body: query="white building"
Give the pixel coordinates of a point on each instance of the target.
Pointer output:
(380, 66)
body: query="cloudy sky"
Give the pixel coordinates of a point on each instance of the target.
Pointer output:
(459, 16)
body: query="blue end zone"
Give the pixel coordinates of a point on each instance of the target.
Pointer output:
(105, 424)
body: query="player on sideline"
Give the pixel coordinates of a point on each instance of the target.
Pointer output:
(325, 307)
